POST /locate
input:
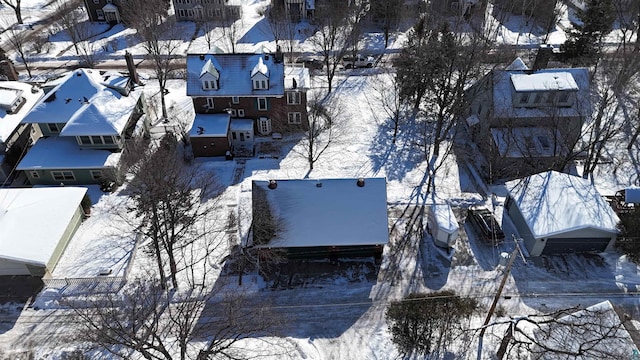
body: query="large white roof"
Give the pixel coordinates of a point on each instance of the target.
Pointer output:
(544, 81)
(553, 203)
(9, 122)
(208, 125)
(235, 72)
(85, 105)
(32, 221)
(338, 212)
(59, 153)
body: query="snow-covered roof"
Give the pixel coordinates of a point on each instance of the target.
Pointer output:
(32, 221)
(327, 212)
(207, 125)
(544, 81)
(85, 105)
(445, 217)
(528, 142)
(517, 64)
(8, 96)
(64, 153)
(574, 79)
(594, 331)
(241, 124)
(553, 203)
(632, 195)
(9, 122)
(296, 78)
(209, 68)
(260, 68)
(235, 72)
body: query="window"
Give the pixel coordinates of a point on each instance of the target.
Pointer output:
(62, 175)
(537, 99)
(240, 112)
(264, 125)
(85, 140)
(544, 142)
(233, 113)
(293, 98)
(209, 85)
(524, 98)
(294, 118)
(209, 103)
(551, 97)
(108, 139)
(34, 174)
(96, 174)
(96, 140)
(53, 128)
(182, 12)
(262, 104)
(234, 136)
(235, 100)
(217, 12)
(564, 97)
(100, 14)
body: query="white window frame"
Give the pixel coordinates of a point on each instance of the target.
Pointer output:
(233, 113)
(62, 175)
(264, 125)
(96, 174)
(294, 118)
(209, 85)
(262, 108)
(34, 174)
(293, 98)
(235, 100)
(210, 103)
(240, 112)
(100, 14)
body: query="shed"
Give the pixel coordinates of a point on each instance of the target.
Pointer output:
(36, 226)
(323, 218)
(442, 225)
(557, 213)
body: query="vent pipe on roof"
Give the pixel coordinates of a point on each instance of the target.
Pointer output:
(318, 184)
(201, 56)
(272, 184)
(131, 67)
(360, 182)
(542, 57)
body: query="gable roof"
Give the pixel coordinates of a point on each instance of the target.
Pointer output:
(337, 213)
(32, 221)
(9, 122)
(85, 105)
(235, 72)
(553, 203)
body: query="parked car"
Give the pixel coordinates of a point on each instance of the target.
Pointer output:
(359, 61)
(485, 225)
(309, 63)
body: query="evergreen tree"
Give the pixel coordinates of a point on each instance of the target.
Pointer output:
(585, 41)
(629, 241)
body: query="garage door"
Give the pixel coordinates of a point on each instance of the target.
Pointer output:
(575, 245)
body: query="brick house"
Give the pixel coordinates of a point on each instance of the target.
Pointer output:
(259, 94)
(103, 10)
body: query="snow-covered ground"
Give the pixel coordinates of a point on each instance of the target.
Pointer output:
(343, 318)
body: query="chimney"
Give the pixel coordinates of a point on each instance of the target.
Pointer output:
(131, 67)
(272, 184)
(542, 58)
(278, 57)
(7, 69)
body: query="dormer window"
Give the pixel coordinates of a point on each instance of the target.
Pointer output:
(209, 76)
(524, 98)
(260, 76)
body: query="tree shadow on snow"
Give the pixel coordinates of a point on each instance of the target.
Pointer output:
(397, 158)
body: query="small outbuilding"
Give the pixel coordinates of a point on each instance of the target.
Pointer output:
(442, 225)
(36, 226)
(558, 213)
(323, 218)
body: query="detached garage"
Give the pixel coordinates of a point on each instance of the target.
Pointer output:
(557, 213)
(36, 226)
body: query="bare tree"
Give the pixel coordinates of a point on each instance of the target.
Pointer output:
(15, 5)
(157, 33)
(232, 29)
(282, 28)
(332, 38)
(17, 39)
(68, 17)
(171, 199)
(146, 320)
(592, 333)
(324, 129)
(386, 92)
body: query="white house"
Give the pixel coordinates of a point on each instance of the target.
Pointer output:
(36, 226)
(560, 213)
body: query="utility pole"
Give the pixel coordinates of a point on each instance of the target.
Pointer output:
(492, 309)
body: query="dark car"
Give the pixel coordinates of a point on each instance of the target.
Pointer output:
(309, 63)
(485, 225)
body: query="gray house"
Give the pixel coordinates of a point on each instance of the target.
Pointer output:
(557, 213)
